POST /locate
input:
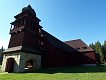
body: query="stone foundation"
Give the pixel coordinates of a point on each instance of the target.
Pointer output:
(21, 59)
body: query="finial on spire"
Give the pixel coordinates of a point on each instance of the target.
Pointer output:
(29, 6)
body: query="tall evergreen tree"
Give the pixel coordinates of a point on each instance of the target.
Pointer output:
(2, 49)
(1, 54)
(92, 46)
(98, 50)
(104, 51)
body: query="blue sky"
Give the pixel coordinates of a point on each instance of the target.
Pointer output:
(65, 19)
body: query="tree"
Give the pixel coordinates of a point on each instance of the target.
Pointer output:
(99, 50)
(1, 54)
(92, 46)
(2, 49)
(104, 51)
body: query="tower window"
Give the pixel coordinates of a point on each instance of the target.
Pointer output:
(42, 35)
(42, 43)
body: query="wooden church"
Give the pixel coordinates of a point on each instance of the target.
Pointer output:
(32, 48)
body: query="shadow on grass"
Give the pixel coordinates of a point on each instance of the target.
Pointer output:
(76, 69)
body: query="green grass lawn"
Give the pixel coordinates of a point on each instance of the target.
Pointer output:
(69, 73)
(0, 68)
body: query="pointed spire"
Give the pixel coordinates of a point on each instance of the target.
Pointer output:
(30, 9)
(29, 6)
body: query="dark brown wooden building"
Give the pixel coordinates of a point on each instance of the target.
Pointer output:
(86, 54)
(31, 47)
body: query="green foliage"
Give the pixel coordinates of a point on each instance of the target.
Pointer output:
(2, 49)
(100, 50)
(104, 50)
(69, 73)
(1, 54)
(92, 46)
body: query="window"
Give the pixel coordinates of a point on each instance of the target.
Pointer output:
(29, 64)
(78, 48)
(84, 47)
(42, 35)
(42, 43)
(39, 30)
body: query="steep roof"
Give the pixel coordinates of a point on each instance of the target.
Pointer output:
(57, 43)
(51, 39)
(79, 45)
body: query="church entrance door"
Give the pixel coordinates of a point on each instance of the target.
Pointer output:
(10, 65)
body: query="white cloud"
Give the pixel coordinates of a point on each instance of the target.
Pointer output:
(4, 44)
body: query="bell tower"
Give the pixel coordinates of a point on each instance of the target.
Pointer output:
(24, 49)
(25, 30)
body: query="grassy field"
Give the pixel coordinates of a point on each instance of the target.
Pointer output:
(69, 73)
(0, 68)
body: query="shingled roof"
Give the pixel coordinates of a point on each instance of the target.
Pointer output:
(79, 45)
(57, 43)
(23, 49)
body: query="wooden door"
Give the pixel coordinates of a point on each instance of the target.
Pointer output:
(9, 65)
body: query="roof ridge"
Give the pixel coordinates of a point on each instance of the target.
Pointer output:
(73, 40)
